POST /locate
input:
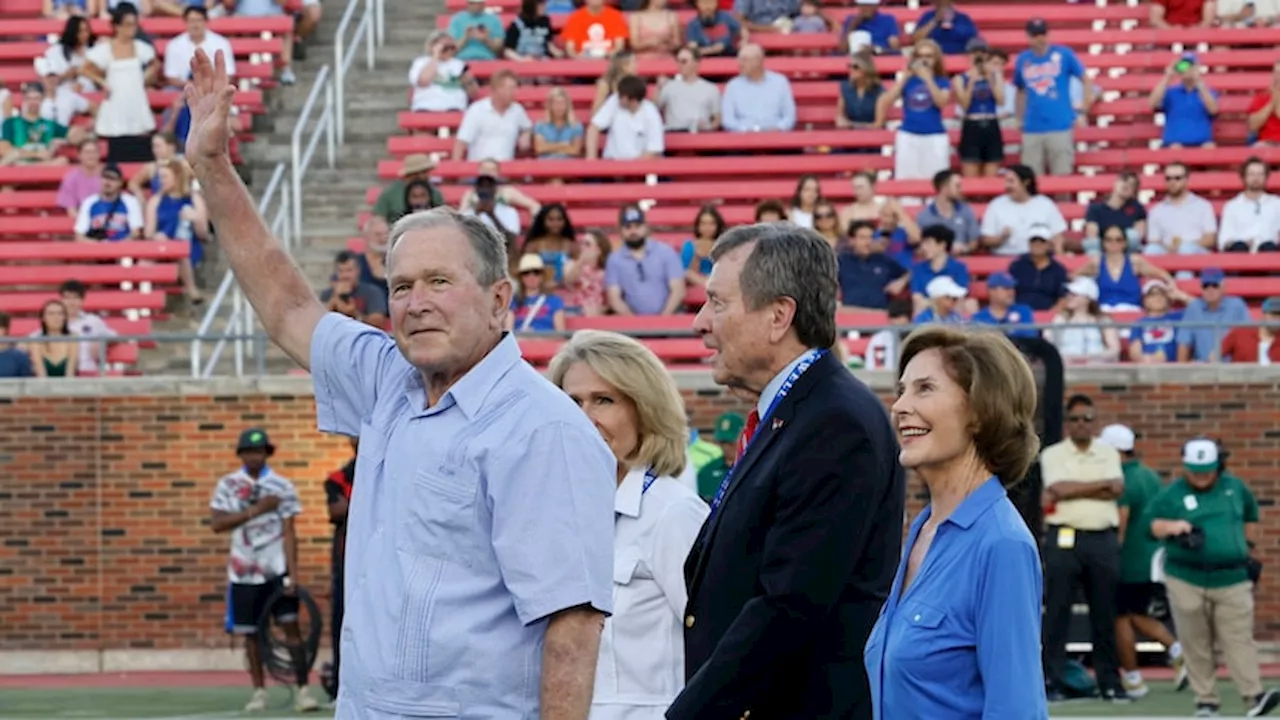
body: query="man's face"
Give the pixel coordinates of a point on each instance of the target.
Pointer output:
(1255, 177)
(476, 7)
(736, 333)
(930, 248)
(707, 8)
(440, 314)
(1201, 480)
(629, 104)
(32, 99)
(504, 91)
(1038, 247)
(196, 25)
(111, 185)
(1211, 292)
(687, 63)
(943, 306)
(1175, 180)
(862, 240)
(348, 273)
(1124, 188)
(1271, 320)
(954, 189)
(595, 6)
(1039, 42)
(1000, 297)
(1013, 185)
(1080, 419)
(375, 234)
(254, 459)
(74, 304)
(750, 62)
(633, 233)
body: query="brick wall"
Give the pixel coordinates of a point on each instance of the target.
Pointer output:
(104, 542)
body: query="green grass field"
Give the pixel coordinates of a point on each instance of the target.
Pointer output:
(225, 702)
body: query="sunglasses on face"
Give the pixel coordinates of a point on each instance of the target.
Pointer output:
(1080, 418)
(1210, 286)
(1174, 178)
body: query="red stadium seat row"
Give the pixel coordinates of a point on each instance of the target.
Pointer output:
(157, 26)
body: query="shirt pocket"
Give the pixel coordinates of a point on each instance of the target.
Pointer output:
(440, 520)
(921, 631)
(408, 699)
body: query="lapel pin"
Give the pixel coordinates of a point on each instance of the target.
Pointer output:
(777, 423)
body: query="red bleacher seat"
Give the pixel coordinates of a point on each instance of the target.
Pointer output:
(122, 326)
(14, 275)
(163, 27)
(87, 252)
(100, 301)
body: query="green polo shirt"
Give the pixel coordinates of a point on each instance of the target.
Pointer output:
(1141, 486)
(391, 206)
(1222, 511)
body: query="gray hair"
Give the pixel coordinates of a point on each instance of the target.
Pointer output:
(488, 248)
(787, 260)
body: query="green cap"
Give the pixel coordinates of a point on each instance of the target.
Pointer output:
(254, 439)
(729, 427)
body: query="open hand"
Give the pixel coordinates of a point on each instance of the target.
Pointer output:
(209, 96)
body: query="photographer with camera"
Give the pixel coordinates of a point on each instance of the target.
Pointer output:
(980, 92)
(921, 147)
(348, 295)
(112, 214)
(1208, 519)
(1189, 105)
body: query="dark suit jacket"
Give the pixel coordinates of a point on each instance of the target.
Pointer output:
(788, 577)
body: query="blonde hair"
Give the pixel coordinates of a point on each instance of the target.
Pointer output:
(570, 117)
(181, 175)
(637, 373)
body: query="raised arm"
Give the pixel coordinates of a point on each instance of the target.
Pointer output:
(267, 274)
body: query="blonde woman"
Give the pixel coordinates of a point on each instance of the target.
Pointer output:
(921, 146)
(175, 212)
(625, 390)
(560, 135)
(622, 65)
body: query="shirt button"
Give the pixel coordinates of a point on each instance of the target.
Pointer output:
(916, 618)
(688, 621)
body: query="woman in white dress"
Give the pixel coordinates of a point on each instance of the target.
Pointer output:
(625, 390)
(123, 66)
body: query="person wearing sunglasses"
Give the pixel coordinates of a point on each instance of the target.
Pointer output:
(1208, 317)
(1082, 477)
(1183, 223)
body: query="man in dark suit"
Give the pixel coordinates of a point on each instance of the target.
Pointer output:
(788, 574)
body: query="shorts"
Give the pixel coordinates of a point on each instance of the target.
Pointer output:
(249, 604)
(920, 157)
(981, 142)
(1147, 599)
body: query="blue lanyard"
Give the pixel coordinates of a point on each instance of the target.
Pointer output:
(650, 476)
(800, 369)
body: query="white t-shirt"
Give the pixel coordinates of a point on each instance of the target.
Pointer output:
(1003, 213)
(490, 135)
(1251, 221)
(508, 216)
(445, 93)
(257, 547)
(631, 134)
(132, 212)
(1189, 220)
(177, 56)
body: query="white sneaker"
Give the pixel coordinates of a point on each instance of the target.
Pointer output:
(1179, 665)
(258, 702)
(303, 702)
(1135, 690)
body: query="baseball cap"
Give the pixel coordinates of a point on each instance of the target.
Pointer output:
(531, 263)
(1037, 26)
(976, 44)
(729, 427)
(1118, 436)
(1271, 305)
(1039, 231)
(1150, 285)
(1001, 280)
(1200, 455)
(867, 2)
(1212, 276)
(113, 170)
(631, 215)
(254, 439)
(1083, 286)
(944, 286)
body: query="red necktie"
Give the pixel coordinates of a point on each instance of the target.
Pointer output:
(753, 420)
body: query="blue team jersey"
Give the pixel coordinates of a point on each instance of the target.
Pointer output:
(1017, 314)
(1045, 81)
(920, 114)
(1157, 335)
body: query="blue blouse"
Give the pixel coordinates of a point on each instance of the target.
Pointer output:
(553, 134)
(963, 642)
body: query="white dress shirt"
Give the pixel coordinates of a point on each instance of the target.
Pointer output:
(631, 134)
(1249, 220)
(178, 54)
(641, 665)
(491, 135)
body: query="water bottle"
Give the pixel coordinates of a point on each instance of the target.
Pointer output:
(184, 230)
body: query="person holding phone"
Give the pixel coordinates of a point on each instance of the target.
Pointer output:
(1188, 104)
(980, 93)
(921, 146)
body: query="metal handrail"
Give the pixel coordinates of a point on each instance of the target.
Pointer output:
(301, 158)
(366, 29)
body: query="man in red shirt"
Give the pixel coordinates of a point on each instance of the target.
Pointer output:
(1264, 111)
(1249, 344)
(1182, 13)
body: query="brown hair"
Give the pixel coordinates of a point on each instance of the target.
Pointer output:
(999, 388)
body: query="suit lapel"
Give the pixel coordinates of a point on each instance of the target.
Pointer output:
(769, 431)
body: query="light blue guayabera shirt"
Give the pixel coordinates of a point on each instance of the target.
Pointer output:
(963, 642)
(1205, 340)
(472, 521)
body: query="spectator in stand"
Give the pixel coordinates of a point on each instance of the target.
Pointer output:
(496, 214)
(944, 296)
(417, 197)
(560, 134)
(373, 261)
(64, 61)
(479, 34)
(771, 211)
(1119, 273)
(180, 50)
(689, 101)
(766, 15)
(1255, 345)
(757, 99)
(695, 254)
(1043, 75)
(980, 92)
(1007, 223)
(882, 348)
(14, 361)
(66, 9)
(859, 98)
(584, 277)
(1246, 13)
(176, 212)
(112, 214)
(1008, 110)
(54, 358)
(633, 123)
(551, 237)
(529, 36)
(1093, 338)
(921, 147)
(826, 222)
(891, 237)
(1120, 208)
(869, 29)
(934, 252)
(146, 181)
(1002, 307)
(1153, 340)
(1208, 316)
(59, 106)
(83, 324)
(83, 180)
(124, 66)
(1182, 13)
(621, 65)
(496, 126)
(811, 21)
(868, 277)
(867, 206)
(1042, 280)
(1189, 105)
(1182, 223)
(654, 30)
(950, 28)
(29, 139)
(508, 194)
(595, 31)
(1251, 220)
(645, 277)
(534, 308)
(1264, 112)
(949, 208)
(441, 81)
(713, 31)
(805, 199)
(347, 295)
(390, 204)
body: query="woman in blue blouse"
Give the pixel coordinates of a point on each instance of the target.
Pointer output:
(695, 254)
(177, 213)
(560, 135)
(959, 636)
